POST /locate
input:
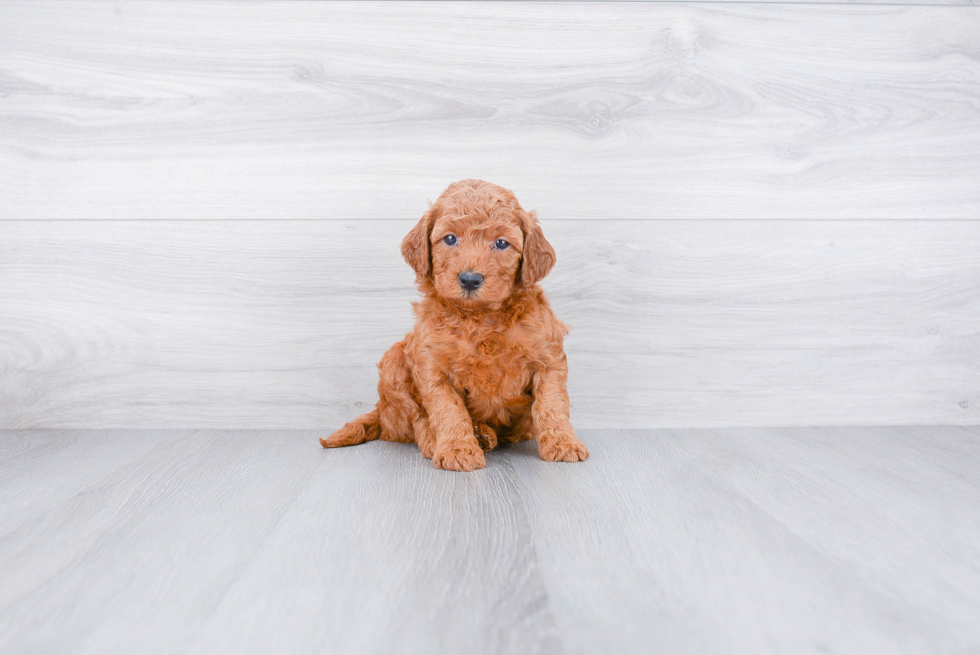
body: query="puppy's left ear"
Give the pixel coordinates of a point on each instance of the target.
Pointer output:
(538, 256)
(416, 248)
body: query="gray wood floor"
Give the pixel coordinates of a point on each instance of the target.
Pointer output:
(850, 540)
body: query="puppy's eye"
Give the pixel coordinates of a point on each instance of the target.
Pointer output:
(500, 244)
(449, 239)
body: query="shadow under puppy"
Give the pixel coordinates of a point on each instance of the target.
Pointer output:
(484, 364)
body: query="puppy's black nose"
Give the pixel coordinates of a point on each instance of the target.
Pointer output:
(470, 281)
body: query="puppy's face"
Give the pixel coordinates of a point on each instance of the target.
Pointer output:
(475, 257)
(476, 244)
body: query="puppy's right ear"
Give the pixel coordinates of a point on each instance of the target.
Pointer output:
(416, 248)
(538, 257)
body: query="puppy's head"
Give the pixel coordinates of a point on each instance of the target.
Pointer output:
(475, 245)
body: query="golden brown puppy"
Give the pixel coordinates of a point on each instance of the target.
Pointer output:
(484, 364)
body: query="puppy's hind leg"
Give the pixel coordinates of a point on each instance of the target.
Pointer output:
(424, 438)
(363, 428)
(486, 436)
(398, 411)
(396, 414)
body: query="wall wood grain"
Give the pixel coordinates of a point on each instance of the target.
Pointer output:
(340, 110)
(674, 323)
(652, 137)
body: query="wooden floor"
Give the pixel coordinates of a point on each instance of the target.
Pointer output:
(849, 540)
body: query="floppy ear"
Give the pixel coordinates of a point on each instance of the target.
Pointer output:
(416, 248)
(538, 256)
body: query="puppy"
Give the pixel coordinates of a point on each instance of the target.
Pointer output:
(484, 364)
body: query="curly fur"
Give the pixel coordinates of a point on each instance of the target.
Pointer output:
(480, 368)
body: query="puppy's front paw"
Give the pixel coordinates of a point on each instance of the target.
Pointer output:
(459, 456)
(561, 447)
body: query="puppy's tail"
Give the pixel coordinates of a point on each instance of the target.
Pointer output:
(363, 428)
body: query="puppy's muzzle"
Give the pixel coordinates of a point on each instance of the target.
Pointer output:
(470, 281)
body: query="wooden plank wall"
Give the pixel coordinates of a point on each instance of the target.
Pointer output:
(765, 214)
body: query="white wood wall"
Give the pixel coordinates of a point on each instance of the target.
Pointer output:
(765, 214)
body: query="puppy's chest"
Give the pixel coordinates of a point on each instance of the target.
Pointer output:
(495, 366)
